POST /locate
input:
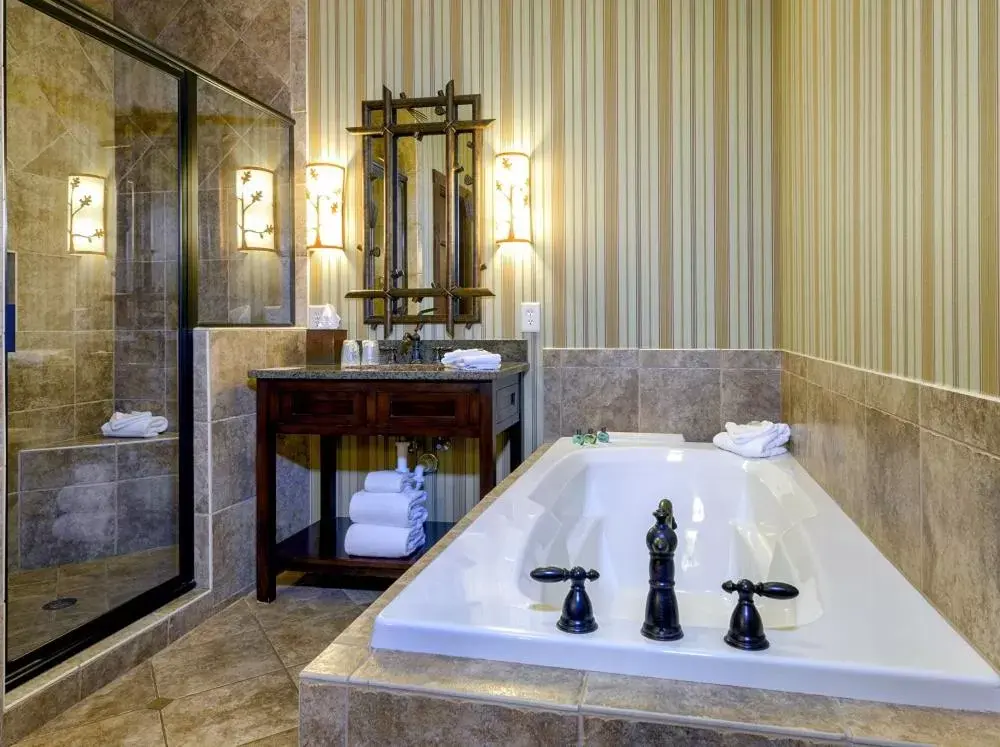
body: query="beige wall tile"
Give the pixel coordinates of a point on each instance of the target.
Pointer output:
(480, 679)
(961, 524)
(756, 359)
(675, 400)
(848, 381)
(893, 395)
(600, 397)
(232, 353)
(892, 509)
(380, 717)
(964, 417)
(634, 697)
(749, 394)
(880, 723)
(322, 714)
(680, 358)
(600, 357)
(604, 732)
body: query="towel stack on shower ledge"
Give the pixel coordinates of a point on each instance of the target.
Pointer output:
(134, 425)
(388, 516)
(758, 439)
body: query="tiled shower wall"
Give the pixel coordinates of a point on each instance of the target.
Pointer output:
(225, 431)
(692, 392)
(917, 468)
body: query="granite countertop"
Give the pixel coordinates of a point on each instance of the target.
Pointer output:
(388, 372)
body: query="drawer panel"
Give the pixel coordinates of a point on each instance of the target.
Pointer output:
(346, 408)
(505, 403)
(432, 408)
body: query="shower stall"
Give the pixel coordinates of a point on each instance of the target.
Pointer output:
(136, 186)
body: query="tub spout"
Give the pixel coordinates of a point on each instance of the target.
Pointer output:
(662, 621)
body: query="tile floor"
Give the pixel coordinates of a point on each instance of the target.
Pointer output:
(233, 680)
(96, 585)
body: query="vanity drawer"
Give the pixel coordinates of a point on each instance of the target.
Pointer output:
(337, 407)
(436, 407)
(506, 404)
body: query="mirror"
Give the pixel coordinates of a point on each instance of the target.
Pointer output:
(422, 259)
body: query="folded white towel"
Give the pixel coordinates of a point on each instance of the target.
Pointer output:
(387, 481)
(404, 509)
(134, 425)
(757, 430)
(375, 541)
(473, 359)
(754, 450)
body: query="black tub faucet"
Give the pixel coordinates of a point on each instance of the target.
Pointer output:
(577, 612)
(662, 621)
(746, 629)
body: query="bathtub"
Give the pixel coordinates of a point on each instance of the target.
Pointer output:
(857, 629)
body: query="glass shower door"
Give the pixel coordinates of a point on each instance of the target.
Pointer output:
(93, 253)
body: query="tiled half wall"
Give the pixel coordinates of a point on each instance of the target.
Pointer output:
(917, 468)
(693, 392)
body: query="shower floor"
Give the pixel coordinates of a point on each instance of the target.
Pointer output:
(97, 586)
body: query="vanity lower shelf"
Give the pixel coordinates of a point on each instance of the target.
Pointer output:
(320, 548)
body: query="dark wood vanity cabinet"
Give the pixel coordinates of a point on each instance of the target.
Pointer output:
(324, 404)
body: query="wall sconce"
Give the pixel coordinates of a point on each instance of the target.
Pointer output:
(324, 206)
(512, 206)
(255, 209)
(86, 214)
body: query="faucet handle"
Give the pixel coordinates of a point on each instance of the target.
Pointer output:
(746, 629)
(551, 574)
(577, 611)
(769, 589)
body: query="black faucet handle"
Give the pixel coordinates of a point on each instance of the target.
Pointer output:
(769, 589)
(577, 612)
(551, 574)
(746, 629)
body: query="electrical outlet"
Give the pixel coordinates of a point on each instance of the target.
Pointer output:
(531, 317)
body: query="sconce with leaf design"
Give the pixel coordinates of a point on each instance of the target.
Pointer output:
(255, 209)
(512, 203)
(86, 234)
(324, 206)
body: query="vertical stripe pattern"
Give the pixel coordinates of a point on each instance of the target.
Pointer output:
(887, 228)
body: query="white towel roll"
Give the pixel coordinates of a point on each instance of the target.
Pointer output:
(752, 450)
(134, 425)
(404, 509)
(373, 541)
(387, 481)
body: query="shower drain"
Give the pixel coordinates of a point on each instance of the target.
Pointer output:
(59, 604)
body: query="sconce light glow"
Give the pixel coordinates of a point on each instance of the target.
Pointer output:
(255, 209)
(512, 201)
(85, 234)
(324, 206)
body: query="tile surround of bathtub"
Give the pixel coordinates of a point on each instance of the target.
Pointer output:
(693, 392)
(917, 468)
(339, 686)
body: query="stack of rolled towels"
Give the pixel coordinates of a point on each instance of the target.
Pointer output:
(758, 439)
(472, 359)
(387, 517)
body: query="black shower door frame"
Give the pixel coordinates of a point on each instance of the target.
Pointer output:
(187, 76)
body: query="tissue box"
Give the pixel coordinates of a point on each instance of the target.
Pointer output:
(323, 346)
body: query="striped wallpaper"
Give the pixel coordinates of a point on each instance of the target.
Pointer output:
(887, 173)
(649, 127)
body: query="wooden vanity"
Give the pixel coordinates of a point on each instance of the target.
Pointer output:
(389, 400)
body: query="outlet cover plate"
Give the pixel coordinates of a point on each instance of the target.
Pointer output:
(531, 316)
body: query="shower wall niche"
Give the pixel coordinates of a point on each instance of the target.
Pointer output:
(94, 227)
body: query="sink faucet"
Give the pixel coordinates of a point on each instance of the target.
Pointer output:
(662, 621)
(409, 346)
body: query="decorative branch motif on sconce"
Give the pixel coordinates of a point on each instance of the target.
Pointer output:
(255, 209)
(86, 233)
(325, 198)
(512, 206)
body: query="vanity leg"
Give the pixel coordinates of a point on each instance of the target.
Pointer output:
(328, 483)
(266, 496)
(487, 442)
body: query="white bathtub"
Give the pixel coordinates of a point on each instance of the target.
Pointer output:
(857, 630)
